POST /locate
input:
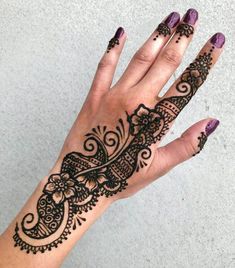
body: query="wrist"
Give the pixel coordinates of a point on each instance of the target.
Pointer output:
(39, 215)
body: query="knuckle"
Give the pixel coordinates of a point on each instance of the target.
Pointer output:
(126, 103)
(105, 63)
(172, 57)
(123, 101)
(189, 145)
(143, 57)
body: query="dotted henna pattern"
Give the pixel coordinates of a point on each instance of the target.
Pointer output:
(162, 29)
(184, 29)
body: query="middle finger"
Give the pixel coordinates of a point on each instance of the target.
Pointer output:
(171, 56)
(146, 55)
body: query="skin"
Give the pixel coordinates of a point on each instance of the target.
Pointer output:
(148, 71)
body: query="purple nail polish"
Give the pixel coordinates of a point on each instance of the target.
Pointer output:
(218, 40)
(191, 16)
(172, 20)
(211, 126)
(119, 33)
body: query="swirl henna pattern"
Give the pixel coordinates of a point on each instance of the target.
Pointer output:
(112, 156)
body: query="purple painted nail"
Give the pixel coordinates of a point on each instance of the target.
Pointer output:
(218, 40)
(211, 126)
(119, 33)
(191, 16)
(172, 20)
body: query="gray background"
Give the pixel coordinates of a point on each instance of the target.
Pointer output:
(48, 54)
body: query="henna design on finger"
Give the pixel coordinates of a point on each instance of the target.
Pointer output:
(184, 29)
(201, 142)
(110, 158)
(162, 29)
(115, 40)
(191, 79)
(165, 27)
(112, 43)
(210, 128)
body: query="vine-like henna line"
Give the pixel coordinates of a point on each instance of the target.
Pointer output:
(111, 158)
(162, 29)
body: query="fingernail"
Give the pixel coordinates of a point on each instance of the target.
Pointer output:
(172, 20)
(119, 33)
(211, 126)
(218, 40)
(115, 40)
(191, 16)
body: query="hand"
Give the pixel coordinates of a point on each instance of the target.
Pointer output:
(134, 117)
(112, 150)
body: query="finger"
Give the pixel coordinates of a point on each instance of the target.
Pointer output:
(170, 57)
(188, 145)
(181, 92)
(145, 56)
(108, 63)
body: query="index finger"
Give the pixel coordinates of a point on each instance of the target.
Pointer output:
(185, 87)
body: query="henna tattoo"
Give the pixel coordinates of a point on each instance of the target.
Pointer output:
(201, 142)
(162, 29)
(184, 29)
(111, 158)
(165, 27)
(115, 40)
(112, 43)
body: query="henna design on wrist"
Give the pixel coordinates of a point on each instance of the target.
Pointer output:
(184, 29)
(111, 157)
(162, 29)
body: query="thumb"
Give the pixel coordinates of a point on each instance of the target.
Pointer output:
(187, 145)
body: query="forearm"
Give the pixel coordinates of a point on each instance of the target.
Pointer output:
(14, 256)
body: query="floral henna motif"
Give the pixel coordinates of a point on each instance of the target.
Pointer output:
(60, 186)
(162, 29)
(112, 157)
(142, 119)
(93, 179)
(184, 29)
